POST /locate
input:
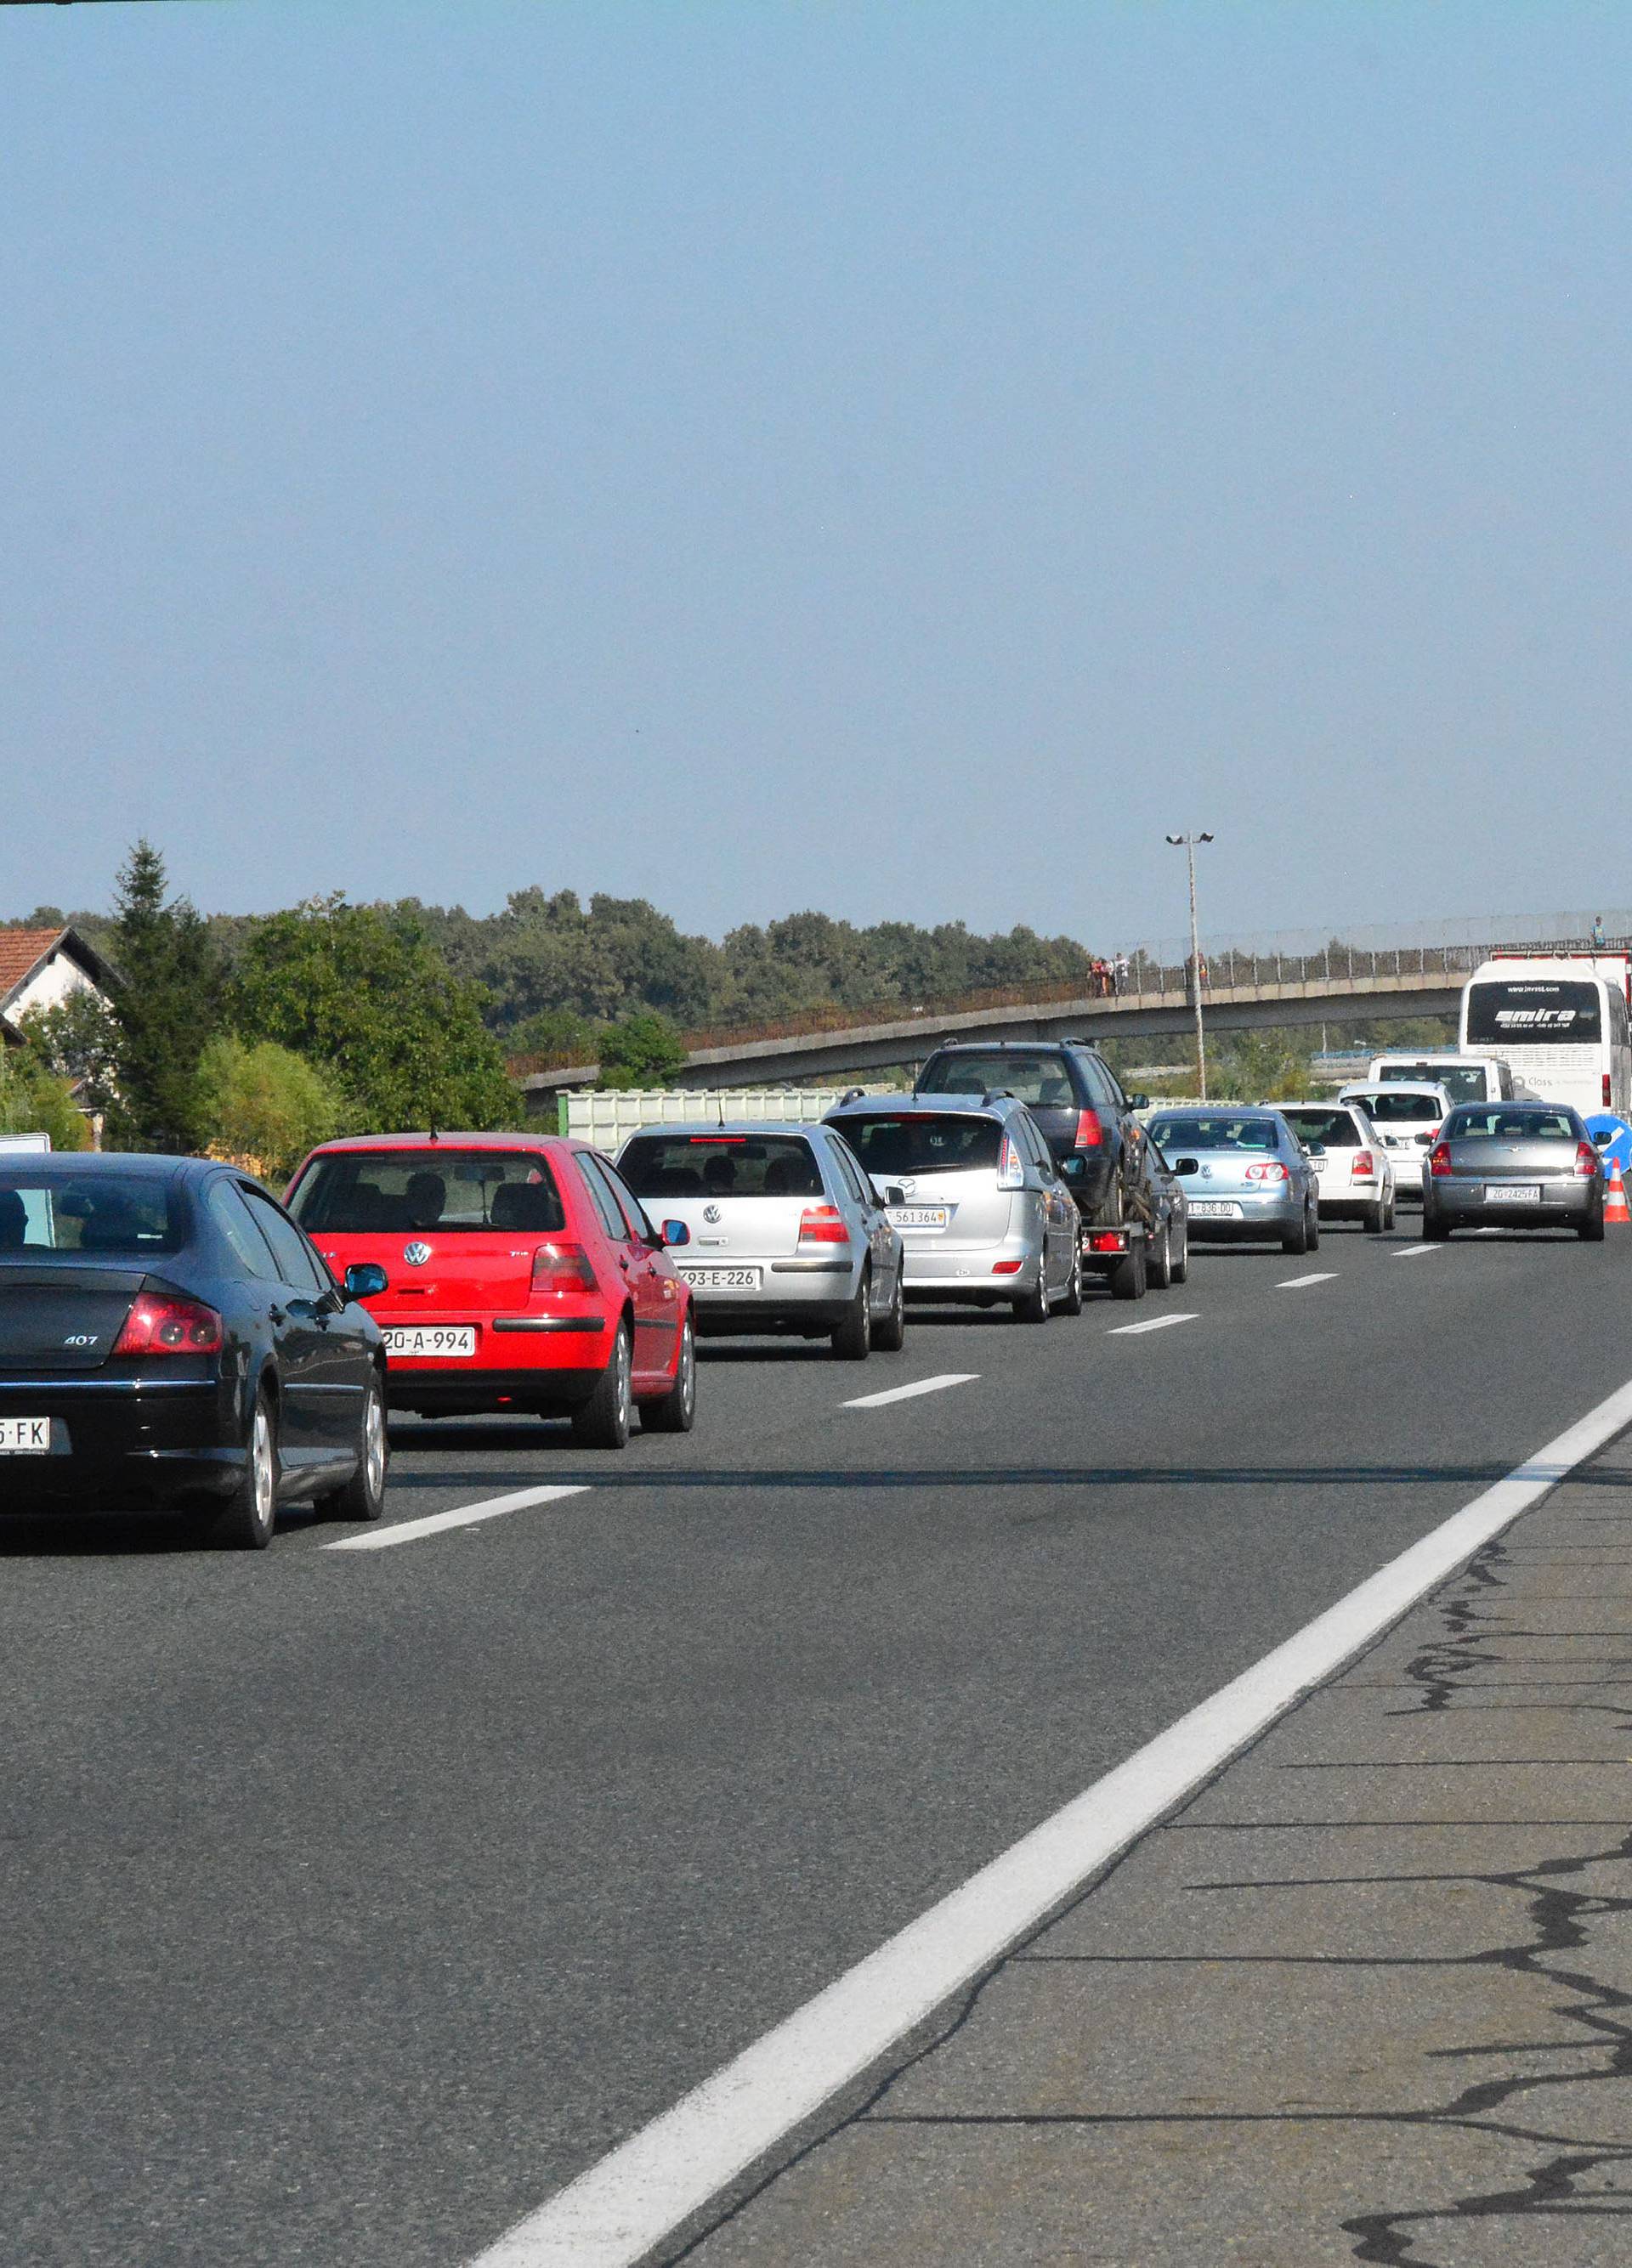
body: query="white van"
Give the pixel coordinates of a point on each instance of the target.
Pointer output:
(1407, 1119)
(1561, 1020)
(1465, 1079)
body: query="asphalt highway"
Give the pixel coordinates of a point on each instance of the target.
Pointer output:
(355, 1900)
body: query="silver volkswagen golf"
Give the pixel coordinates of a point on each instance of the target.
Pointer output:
(972, 1189)
(787, 1235)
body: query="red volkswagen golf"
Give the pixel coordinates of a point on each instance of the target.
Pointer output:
(521, 1276)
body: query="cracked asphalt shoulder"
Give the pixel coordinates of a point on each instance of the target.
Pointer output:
(1368, 1997)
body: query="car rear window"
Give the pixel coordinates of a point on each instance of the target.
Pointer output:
(721, 1166)
(1335, 1128)
(1402, 1105)
(1462, 1082)
(121, 1216)
(924, 1142)
(1499, 1122)
(1042, 1080)
(1220, 1132)
(388, 1191)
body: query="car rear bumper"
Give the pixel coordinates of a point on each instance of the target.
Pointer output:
(120, 1443)
(932, 1272)
(796, 1295)
(1258, 1218)
(1561, 1204)
(446, 1390)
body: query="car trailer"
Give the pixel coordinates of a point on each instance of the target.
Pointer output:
(1120, 1257)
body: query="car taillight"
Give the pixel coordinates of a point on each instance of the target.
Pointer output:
(1586, 1159)
(561, 1267)
(823, 1225)
(1439, 1160)
(1365, 1166)
(1266, 1173)
(1090, 1132)
(1011, 1170)
(159, 1324)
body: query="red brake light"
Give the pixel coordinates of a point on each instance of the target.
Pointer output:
(1272, 1173)
(1439, 1160)
(1090, 1132)
(823, 1225)
(1586, 1159)
(1365, 1164)
(1108, 1239)
(559, 1266)
(157, 1325)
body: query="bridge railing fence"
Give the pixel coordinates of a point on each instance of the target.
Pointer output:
(1162, 971)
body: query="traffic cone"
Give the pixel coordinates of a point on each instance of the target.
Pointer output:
(1615, 1198)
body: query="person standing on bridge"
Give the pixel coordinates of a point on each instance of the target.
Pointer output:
(1599, 937)
(1121, 973)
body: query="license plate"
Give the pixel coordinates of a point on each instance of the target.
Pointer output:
(920, 1216)
(722, 1279)
(1513, 1193)
(1213, 1209)
(1319, 1164)
(25, 1437)
(444, 1341)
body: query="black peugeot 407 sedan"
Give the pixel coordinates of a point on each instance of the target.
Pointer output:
(168, 1338)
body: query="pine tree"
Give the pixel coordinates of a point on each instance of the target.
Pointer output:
(166, 1004)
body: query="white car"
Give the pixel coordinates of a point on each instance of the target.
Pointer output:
(1465, 1078)
(1408, 1117)
(1351, 1161)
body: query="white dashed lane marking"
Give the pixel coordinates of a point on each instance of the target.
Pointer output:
(906, 1393)
(467, 1515)
(1410, 1251)
(1297, 1283)
(1154, 1323)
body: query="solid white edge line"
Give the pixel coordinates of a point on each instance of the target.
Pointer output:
(466, 1515)
(1297, 1283)
(1150, 1323)
(906, 1393)
(618, 2209)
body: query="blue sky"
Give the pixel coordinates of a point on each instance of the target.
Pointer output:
(897, 459)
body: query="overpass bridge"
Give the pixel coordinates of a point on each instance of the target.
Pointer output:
(1241, 989)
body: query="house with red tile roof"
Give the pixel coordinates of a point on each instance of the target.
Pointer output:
(41, 968)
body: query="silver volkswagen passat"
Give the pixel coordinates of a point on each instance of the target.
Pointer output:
(1246, 1175)
(1513, 1164)
(984, 1214)
(787, 1233)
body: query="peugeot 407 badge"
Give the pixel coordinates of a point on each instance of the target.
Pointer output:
(415, 1254)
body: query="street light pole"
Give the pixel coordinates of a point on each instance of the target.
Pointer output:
(1189, 842)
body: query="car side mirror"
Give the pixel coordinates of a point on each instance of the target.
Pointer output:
(1072, 1169)
(1186, 1165)
(1604, 1136)
(365, 1279)
(893, 1193)
(675, 1231)
(1425, 1141)
(1139, 1103)
(1317, 1149)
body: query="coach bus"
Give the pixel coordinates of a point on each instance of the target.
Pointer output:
(1561, 1020)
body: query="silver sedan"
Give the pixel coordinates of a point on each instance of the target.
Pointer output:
(1246, 1174)
(1513, 1164)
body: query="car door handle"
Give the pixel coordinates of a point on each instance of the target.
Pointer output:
(279, 1315)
